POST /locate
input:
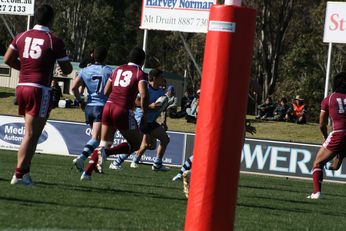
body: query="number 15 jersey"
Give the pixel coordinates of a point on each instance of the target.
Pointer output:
(125, 81)
(38, 49)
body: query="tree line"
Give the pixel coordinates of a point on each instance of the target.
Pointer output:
(289, 56)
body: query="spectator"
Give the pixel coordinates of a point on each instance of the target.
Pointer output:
(172, 100)
(281, 110)
(191, 113)
(185, 103)
(56, 93)
(266, 109)
(297, 113)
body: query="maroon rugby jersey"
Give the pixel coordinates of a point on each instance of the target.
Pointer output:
(125, 81)
(335, 105)
(38, 49)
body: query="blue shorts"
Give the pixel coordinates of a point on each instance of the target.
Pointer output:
(150, 127)
(93, 114)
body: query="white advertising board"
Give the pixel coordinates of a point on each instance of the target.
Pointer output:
(335, 23)
(176, 15)
(17, 7)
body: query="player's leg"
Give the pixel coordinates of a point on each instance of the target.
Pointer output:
(323, 156)
(107, 135)
(146, 140)
(187, 166)
(33, 130)
(336, 162)
(34, 105)
(93, 115)
(160, 134)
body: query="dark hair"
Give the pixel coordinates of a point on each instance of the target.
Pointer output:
(137, 56)
(339, 83)
(44, 15)
(100, 54)
(154, 73)
(284, 100)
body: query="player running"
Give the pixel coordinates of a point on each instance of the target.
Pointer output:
(94, 78)
(154, 130)
(333, 106)
(34, 53)
(122, 88)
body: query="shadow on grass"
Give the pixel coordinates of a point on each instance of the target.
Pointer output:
(6, 94)
(78, 206)
(297, 210)
(268, 188)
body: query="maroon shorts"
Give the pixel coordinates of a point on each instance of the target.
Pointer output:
(34, 101)
(118, 117)
(336, 142)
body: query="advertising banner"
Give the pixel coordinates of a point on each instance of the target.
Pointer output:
(69, 138)
(283, 158)
(258, 156)
(176, 15)
(17, 7)
(335, 23)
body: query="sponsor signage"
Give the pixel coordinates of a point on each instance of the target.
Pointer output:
(335, 23)
(176, 15)
(283, 158)
(258, 156)
(69, 138)
(17, 7)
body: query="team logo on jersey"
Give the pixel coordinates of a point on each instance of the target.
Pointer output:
(13, 133)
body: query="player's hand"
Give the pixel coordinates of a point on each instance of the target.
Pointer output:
(164, 125)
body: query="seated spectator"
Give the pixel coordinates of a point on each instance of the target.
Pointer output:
(281, 110)
(191, 113)
(185, 103)
(172, 100)
(297, 113)
(56, 93)
(266, 109)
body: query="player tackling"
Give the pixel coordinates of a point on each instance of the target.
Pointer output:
(334, 145)
(34, 53)
(122, 88)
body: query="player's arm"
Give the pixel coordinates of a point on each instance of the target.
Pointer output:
(11, 58)
(324, 123)
(143, 91)
(108, 88)
(77, 82)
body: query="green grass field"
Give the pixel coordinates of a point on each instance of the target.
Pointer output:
(139, 199)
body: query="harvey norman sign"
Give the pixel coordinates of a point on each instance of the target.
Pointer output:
(335, 23)
(176, 15)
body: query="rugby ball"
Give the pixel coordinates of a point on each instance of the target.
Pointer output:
(162, 103)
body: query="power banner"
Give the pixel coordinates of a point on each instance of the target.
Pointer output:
(176, 15)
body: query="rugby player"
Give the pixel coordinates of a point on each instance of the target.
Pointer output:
(334, 106)
(34, 53)
(94, 77)
(122, 88)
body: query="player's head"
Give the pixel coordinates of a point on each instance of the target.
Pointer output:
(339, 83)
(44, 15)
(155, 74)
(100, 54)
(137, 56)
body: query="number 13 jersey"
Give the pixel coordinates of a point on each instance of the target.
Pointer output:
(125, 81)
